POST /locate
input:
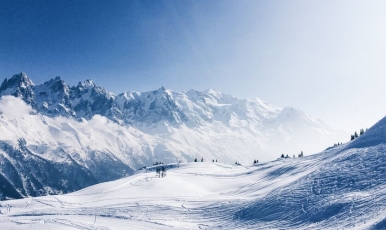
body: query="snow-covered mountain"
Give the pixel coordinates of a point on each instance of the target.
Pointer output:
(56, 138)
(340, 188)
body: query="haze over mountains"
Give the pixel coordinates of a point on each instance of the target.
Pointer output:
(340, 188)
(82, 135)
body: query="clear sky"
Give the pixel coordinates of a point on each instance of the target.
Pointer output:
(327, 58)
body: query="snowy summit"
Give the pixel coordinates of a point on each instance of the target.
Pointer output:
(55, 129)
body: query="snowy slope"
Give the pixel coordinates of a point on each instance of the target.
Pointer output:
(85, 130)
(343, 187)
(257, 129)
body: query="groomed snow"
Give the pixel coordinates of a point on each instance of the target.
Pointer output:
(186, 198)
(343, 187)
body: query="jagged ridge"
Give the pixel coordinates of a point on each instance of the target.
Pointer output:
(103, 136)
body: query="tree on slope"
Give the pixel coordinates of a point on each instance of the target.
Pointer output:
(361, 131)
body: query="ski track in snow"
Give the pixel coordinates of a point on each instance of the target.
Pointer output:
(341, 188)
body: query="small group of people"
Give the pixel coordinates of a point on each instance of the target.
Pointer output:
(8, 208)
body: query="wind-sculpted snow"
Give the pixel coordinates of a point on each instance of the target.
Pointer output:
(341, 188)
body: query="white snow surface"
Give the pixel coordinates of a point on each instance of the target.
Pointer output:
(160, 125)
(343, 187)
(239, 130)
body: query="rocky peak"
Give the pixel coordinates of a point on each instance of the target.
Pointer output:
(52, 98)
(88, 99)
(57, 85)
(86, 84)
(19, 85)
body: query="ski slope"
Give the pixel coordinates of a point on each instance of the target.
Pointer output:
(190, 196)
(341, 188)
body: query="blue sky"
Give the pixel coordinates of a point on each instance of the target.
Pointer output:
(324, 57)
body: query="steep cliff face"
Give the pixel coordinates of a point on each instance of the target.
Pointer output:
(53, 98)
(19, 86)
(88, 99)
(57, 138)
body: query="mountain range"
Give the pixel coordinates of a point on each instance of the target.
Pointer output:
(57, 138)
(342, 187)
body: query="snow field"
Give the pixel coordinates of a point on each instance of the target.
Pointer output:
(341, 188)
(190, 196)
(193, 196)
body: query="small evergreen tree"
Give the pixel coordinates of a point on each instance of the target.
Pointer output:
(361, 132)
(202, 159)
(282, 155)
(195, 159)
(356, 134)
